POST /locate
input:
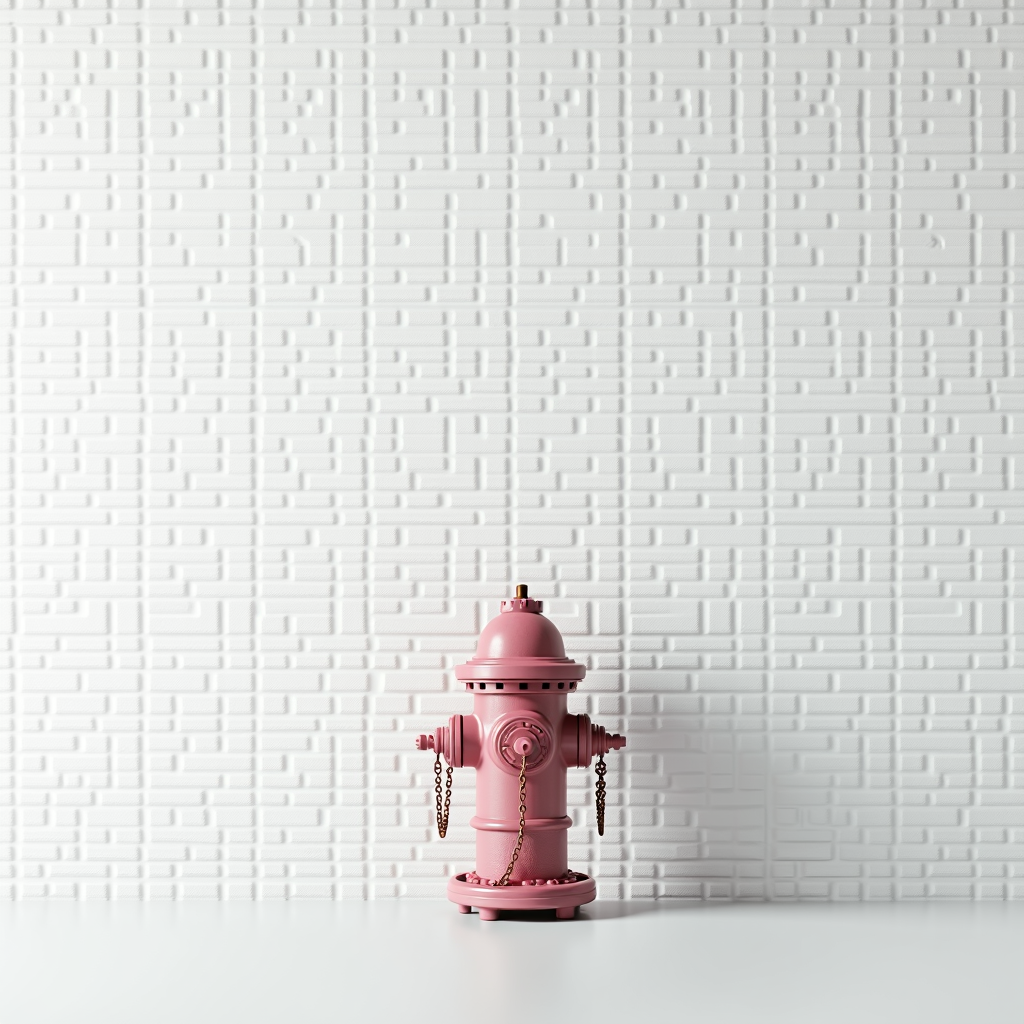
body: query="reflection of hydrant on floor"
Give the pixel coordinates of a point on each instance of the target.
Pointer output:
(520, 739)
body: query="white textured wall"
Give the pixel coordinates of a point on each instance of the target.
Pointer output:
(328, 323)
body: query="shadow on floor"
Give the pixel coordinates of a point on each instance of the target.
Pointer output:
(604, 910)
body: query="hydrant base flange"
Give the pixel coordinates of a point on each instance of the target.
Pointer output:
(521, 897)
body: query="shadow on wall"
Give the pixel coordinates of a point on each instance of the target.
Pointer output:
(698, 808)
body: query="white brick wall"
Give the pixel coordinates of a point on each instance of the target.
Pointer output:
(329, 322)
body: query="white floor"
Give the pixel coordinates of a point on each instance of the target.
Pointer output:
(306, 963)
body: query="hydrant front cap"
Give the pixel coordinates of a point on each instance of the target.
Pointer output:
(520, 644)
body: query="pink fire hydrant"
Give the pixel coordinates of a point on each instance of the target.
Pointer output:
(520, 739)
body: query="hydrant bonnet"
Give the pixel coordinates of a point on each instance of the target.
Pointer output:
(520, 645)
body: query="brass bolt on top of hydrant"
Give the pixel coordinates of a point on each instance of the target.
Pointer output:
(521, 740)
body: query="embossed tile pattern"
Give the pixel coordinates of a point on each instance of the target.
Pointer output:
(327, 323)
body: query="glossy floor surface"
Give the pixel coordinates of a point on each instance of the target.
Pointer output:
(418, 961)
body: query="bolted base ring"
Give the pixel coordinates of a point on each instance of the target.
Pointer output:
(521, 897)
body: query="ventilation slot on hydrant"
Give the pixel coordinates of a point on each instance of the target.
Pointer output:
(521, 740)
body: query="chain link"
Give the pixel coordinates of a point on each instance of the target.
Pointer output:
(601, 769)
(522, 826)
(442, 813)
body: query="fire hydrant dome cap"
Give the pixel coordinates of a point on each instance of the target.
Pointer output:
(520, 644)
